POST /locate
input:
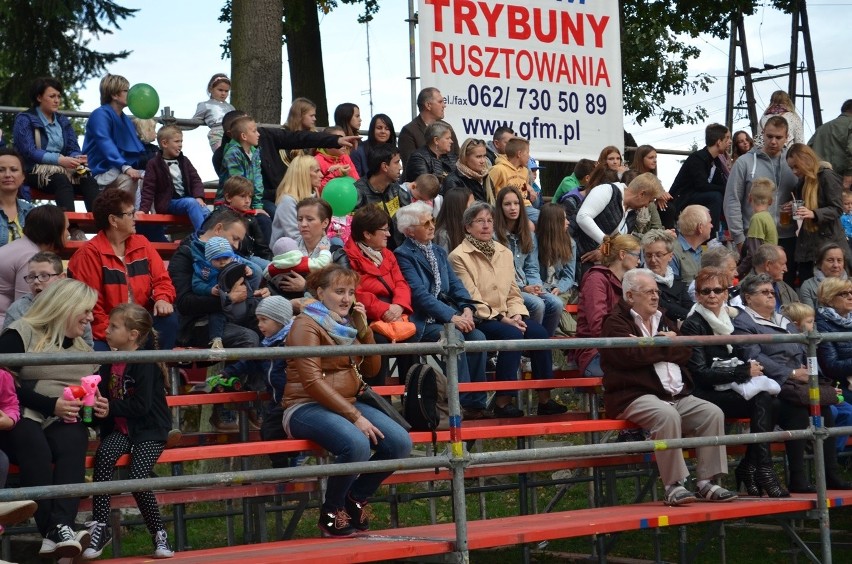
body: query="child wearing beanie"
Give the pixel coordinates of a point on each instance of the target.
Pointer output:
(206, 270)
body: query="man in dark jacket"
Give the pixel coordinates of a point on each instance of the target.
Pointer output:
(703, 176)
(381, 187)
(431, 104)
(651, 387)
(194, 309)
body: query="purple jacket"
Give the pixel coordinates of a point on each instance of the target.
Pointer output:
(158, 186)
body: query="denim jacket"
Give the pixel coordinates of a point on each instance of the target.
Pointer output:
(24, 208)
(526, 264)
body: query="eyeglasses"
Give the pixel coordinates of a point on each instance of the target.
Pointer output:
(846, 294)
(657, 256)
(633, 254)
(131, 213)
(708, 291)
(428, 223)
(43, 277)
(766, 293)
(385, 229)
(483, 221)
(648, 292)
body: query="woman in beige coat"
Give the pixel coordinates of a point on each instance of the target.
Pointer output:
(487, 270)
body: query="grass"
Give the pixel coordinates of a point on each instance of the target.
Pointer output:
(748, 542)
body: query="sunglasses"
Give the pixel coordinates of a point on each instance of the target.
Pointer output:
(708, 291)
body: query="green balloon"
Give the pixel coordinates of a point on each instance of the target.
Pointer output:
(341, 194)
(143, 101)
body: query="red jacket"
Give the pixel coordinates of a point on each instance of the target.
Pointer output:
(370, 291)
(600, 290)
(142, 278)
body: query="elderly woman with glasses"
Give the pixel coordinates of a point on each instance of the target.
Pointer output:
(439, 298)
(782, 362)
(487, 270)
(658, 249)
(835, 357)
(714, 368)
(122, 266)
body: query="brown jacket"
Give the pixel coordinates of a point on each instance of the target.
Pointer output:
(629, 372)
(330, 381)
(491, 282)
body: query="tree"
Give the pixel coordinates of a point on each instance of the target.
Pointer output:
(51, 38)
(301, 34)
(655, 60)
(255, 68)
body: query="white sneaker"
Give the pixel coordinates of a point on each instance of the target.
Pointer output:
(161, 545)
(61, 542)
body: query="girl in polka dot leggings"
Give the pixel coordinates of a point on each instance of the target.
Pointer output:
(137, 422)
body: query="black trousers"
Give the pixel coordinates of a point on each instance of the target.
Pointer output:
(51, 456)
(63, 190)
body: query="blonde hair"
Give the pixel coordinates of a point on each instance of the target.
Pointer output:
(145, 129)
(762, 191)
(649, 183)
(612, 246)
(298, 108)
(111, 85)
(59, 302)
(168, 132)
(781, 98)
(808, 163)
(830, 288)
(797, 311)
(297, 179)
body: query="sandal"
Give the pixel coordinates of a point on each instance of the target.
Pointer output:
(678, 495)
(715, 493)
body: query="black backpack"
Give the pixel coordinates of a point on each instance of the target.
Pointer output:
(424, 403)
(425, 398)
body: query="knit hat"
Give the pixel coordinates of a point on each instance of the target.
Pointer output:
(275, 308)
(283, 245)
(217, 248)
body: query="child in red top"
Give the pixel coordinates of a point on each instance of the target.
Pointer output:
(335, 163)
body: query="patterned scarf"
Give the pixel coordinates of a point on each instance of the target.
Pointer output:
(487, 248)
(433, 264)
(831, 314)
(469, 172)
(372, 254)
(336, 327)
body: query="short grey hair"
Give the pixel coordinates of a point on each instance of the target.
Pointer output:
(424, 96)
(631, 279)
(474, 210)
(658, 235)
(717, 256)
(435, 129)
(409, 216)
(750, 284)
(765, 253)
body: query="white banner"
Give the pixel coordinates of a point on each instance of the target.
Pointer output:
(549, 69)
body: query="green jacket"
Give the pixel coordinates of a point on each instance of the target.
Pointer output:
(833, 143)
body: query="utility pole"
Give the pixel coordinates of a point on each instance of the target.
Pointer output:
(749, 74)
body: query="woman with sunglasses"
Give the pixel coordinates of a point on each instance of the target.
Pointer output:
(470, 171)
(716, 365)
(782, 362)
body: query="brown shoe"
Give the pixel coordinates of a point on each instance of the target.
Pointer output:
(174, 438)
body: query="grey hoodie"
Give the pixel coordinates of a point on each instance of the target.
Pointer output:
(756, 164)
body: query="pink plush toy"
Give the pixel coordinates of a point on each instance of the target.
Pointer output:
(90, 387)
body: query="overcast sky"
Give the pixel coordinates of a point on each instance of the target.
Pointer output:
(175, 48)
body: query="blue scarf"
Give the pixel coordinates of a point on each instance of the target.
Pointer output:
(338, 328)
(277, 337)
(831, 314)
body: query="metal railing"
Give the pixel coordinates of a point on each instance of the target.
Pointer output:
(457, 458)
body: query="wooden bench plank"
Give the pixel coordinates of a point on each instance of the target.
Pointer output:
(87, 218)
(426, 540)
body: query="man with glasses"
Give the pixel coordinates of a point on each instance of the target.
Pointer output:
(45, 268)
(651, 387)
(431, 104)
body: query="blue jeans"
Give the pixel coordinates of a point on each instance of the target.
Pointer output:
(508, 362)
(842, 413)
(190, 207)
(594, 367)
(347, 443)
(471, 366)
(545, 309)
